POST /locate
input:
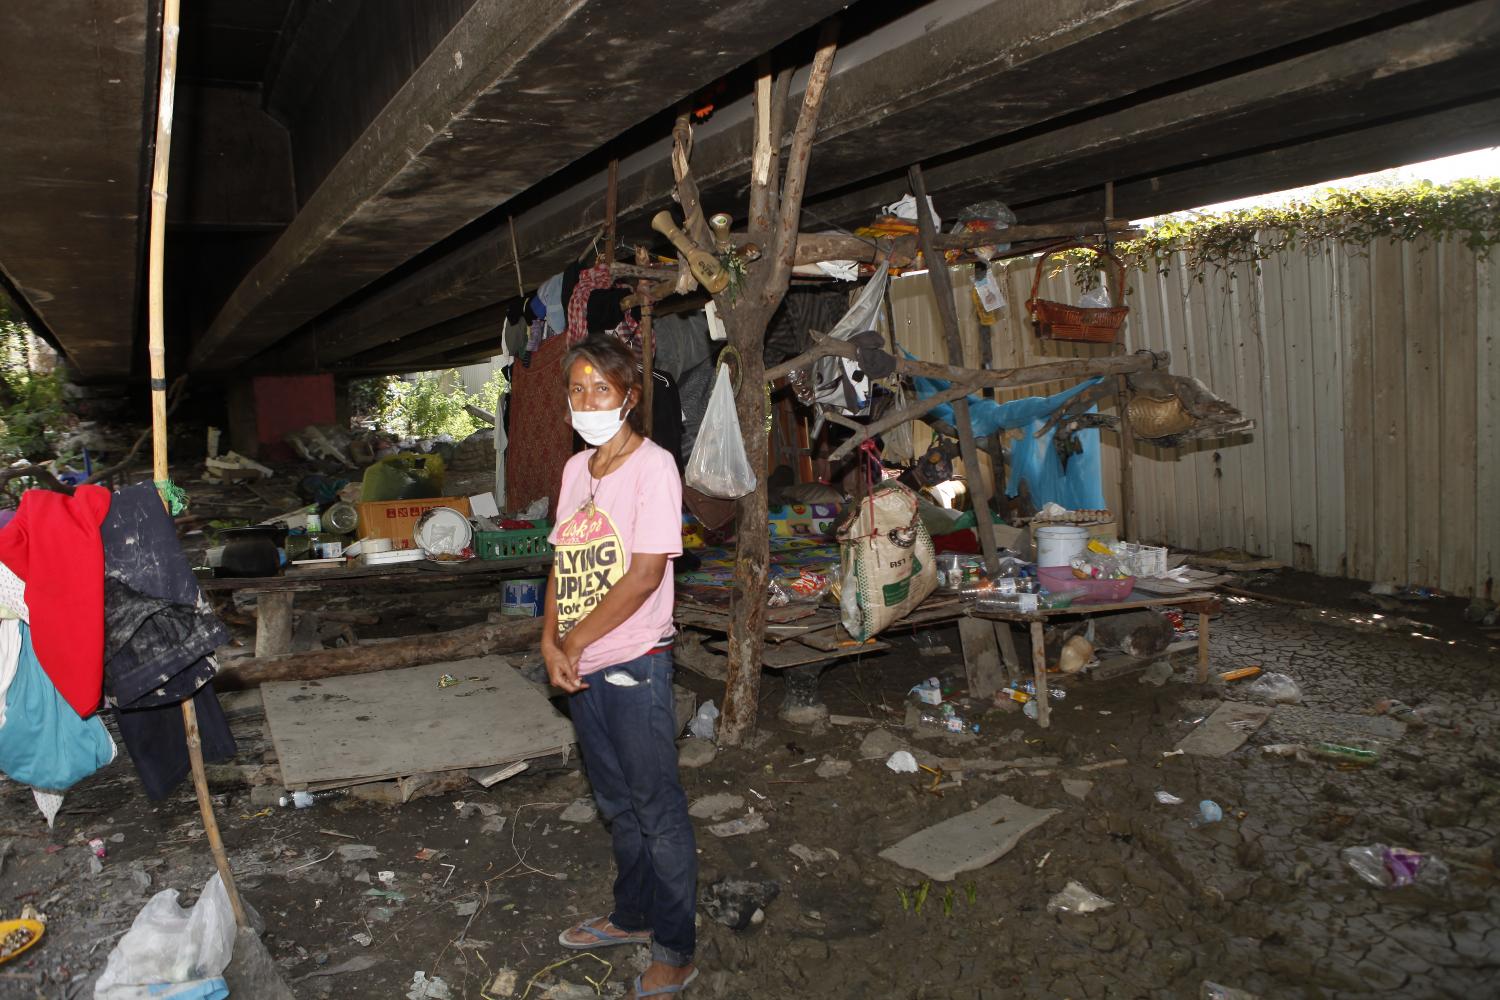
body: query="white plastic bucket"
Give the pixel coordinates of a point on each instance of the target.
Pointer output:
(1057, 544)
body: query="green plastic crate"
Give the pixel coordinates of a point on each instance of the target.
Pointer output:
(514, 543)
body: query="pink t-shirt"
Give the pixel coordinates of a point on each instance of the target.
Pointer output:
(636, 509)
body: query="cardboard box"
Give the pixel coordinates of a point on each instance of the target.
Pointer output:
(397, 519)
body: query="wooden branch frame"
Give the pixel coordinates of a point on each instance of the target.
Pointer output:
(783, 249)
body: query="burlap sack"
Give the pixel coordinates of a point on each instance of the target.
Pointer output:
(887, 561)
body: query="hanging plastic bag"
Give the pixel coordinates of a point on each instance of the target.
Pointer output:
(718, 466)
(172, 952)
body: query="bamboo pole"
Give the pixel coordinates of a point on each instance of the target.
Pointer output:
(170, 30)
(942, 291)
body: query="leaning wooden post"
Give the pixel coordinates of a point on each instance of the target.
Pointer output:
(158, 358)
(648, 346)
(1127, 451)
(937, 273)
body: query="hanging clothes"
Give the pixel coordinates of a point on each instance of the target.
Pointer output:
(44, 742)
(540, 435)
(160, 631)
(160, 642)
(157, 742)
(53, 545)
(12, 595)
(584, 315)
(1033, 459)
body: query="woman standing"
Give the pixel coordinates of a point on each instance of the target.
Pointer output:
(607, 640)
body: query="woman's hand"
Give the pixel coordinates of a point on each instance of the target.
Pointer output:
(562, 666)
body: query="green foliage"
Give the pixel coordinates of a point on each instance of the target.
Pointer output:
(31, 401)
(1467, 211)
(432, 404)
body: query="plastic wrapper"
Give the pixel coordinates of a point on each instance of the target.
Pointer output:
(1393, 867)
(1075, 899)
(702, 725)
(166, 944)
(1274, 689)
(776, 595)
(718, 466)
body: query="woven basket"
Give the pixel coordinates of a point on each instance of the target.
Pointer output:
(1153, 417)
(1061, 321)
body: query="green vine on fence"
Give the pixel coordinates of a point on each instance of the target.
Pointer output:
(1465, 211)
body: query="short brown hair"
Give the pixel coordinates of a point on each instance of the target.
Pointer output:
(618, 362)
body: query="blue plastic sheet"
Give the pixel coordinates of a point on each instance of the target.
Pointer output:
(1033, 458)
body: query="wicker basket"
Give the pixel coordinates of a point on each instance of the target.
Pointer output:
(1061, 321)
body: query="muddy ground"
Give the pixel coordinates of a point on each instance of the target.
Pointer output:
(1260, 902)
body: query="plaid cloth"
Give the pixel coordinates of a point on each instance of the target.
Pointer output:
(591, 280)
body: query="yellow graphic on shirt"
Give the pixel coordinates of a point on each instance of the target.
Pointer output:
(589, 560)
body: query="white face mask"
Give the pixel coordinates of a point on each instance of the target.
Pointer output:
(598, 427)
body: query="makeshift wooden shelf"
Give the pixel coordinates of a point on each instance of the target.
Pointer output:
(1035, 622)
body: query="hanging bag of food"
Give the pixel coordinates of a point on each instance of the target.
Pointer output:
(887, 561)
(718, 466)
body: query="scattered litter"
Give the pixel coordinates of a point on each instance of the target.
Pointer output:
(812, 855)
(928, 644)
(503, 985)
(357, 852)
(358, 963)
(1392, 867)
(1074, 898)
(1242, 674)
(969, 840)
(716, 805)
(467, 908)
(580, 811)
(362, 939)
(749, 823)
(391, 894)
(1209, 812)
(1275, 689)
(426, 854)
(702, 725)
(833, 769)
(423, 988)
(902, 762)
(97, 846)
(755, 793)
(1166, 798)
(447, 681)
(387, 876)
(735, 902)
(929, 692)
(1103, 764)
(1173, 753)
(1213, 991)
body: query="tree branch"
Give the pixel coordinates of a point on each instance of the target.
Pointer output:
(174, 396)
(784, 247)
(693, 221)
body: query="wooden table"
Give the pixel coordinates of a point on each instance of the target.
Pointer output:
(1036, 624)
(275, 594)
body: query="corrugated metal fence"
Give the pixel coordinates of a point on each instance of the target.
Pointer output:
(1374, 379)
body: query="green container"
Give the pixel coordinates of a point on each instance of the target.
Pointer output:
(515, 543)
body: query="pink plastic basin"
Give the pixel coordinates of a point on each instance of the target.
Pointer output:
(1058, 579)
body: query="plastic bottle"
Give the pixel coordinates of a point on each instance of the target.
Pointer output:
(302, 800)
(1352, 755)
(341, 518)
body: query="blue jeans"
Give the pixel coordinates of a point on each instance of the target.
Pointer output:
(628, 735)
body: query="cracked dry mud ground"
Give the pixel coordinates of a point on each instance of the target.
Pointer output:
(1260, 901)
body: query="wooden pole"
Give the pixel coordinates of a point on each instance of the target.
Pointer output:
(156, 333)
(1127, 452)
(648, 350)
(611, 212)
(937, 273)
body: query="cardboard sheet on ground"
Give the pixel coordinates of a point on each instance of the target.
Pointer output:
(1226, 729)
(969, 840)
(369, 727)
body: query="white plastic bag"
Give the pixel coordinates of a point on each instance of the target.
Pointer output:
(718, 466)
(1074, 898)
(170, 945)
(1274, 689)
(702, 725)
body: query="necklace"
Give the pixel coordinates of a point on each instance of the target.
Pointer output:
(594, 483)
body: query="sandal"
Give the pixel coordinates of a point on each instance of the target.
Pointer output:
(641, 994)
(604, 940)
